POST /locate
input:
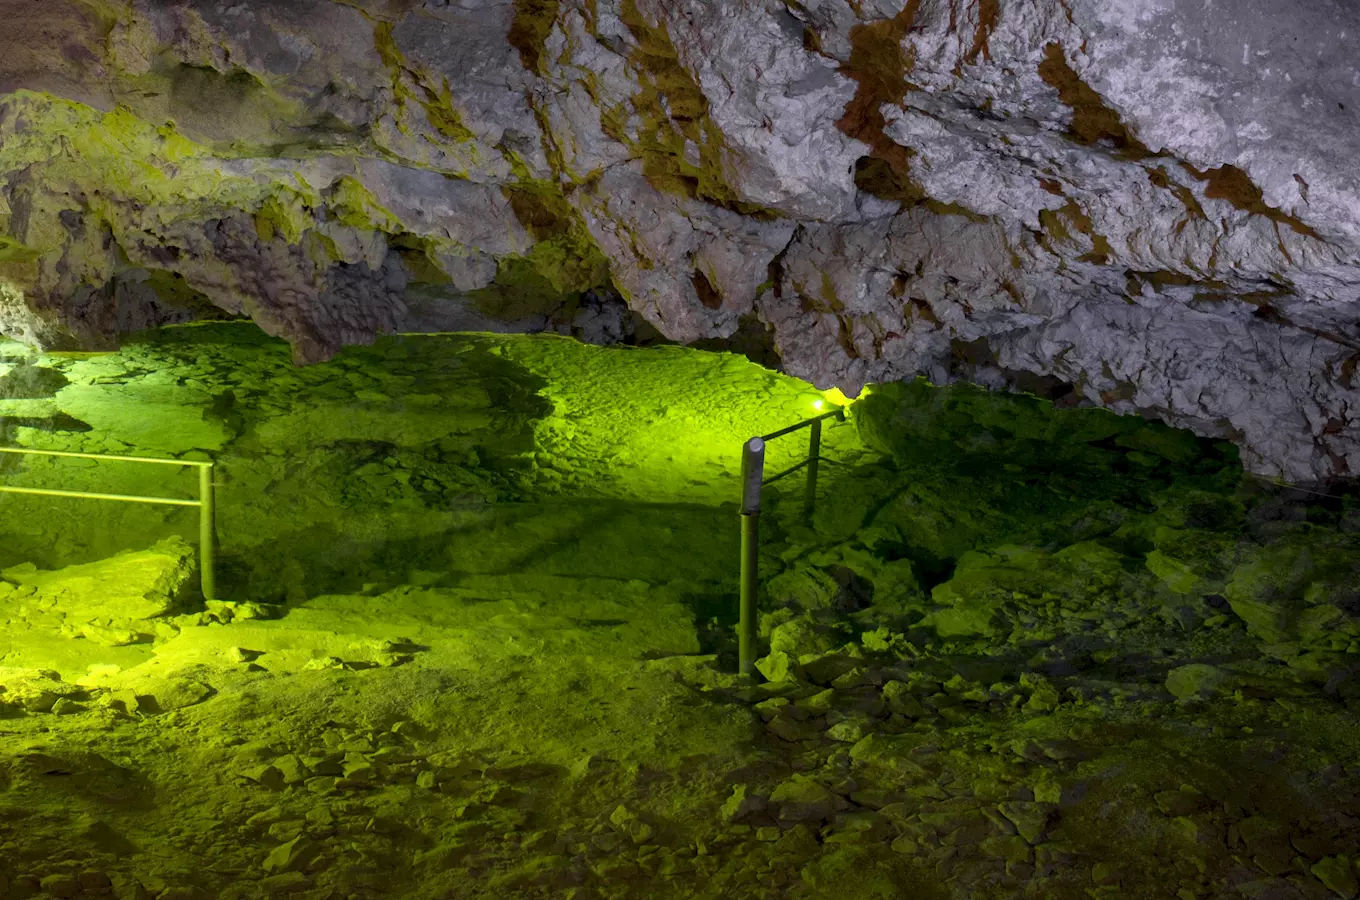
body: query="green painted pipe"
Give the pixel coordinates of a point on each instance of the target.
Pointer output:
(136, 459)
(83, 495)
(207, 534)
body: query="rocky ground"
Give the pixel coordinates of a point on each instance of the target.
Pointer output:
(476, 640)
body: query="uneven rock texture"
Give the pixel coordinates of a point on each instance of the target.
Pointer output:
(1143, 204)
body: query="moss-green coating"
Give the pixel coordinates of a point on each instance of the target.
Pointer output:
(413, 85)
(668, 115)
(354, 205)
(529, 29)
(565, 256)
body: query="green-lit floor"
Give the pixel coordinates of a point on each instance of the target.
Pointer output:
(476, 639)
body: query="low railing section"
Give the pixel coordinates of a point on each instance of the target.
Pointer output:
(206, 502)
(752, 480)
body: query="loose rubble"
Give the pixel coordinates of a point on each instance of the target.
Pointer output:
(1001, 666)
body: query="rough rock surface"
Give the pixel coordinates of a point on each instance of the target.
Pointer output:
(1145, 204)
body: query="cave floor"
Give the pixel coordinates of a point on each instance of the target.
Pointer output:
(488, 654)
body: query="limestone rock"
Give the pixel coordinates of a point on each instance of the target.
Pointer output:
(802, 799)
(128, 588)
(778, 666)
(1195, 681)
(293, 856)
(1062, 192)
(741, 804)
(1338, 873)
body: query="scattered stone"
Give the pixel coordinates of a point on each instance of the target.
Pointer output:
(266, 776)
(1104, 873)
(824, 670)
(1185, 801)
(293, 856)
(859, 827)
(902, 701)
(788, 729)
(323, 784)
(742, 804)
(285, 831)
(802, 637)
(802, 799)
(65, 706)
(128, 588)
(819, 703)
(60, 885)
(1013, 848)
(779, 666)
(1338, 873)
(770, 708)
(905, 845)
(850, 680)
(1195, 681)
(173, 693)
(849, 731)
(328, 764)
(1030, 818)
(408, 730)
(265, 818)
(292, 769)
(891, 753)
(284, 884)
(95, 883)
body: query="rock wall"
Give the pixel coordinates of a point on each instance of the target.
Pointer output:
(1144, 204)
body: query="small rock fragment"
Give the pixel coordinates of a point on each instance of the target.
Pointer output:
(1030, 818)
(1338, 874)
(292, 856)
(779, 666)
(95, 882)
(741, 804)
(1195, 681)
(902, 701)
(61, 885)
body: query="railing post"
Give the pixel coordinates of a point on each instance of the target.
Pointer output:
(814, 454)
(752, 474)
(207, 533)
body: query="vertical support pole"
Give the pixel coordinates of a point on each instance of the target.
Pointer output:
(207, 533)
(814, 456)
(752, 474)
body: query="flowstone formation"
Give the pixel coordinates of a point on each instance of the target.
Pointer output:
(1142, 205)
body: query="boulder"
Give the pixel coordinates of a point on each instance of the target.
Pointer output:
(120, 591)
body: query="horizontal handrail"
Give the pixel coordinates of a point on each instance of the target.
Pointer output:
(838, 413)
(85, 495)
(136, 459)
(789, 471)
(206, 502)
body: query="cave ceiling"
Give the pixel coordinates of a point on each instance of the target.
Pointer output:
(1149, 205)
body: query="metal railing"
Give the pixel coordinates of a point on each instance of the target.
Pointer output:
(206, 502)
(752, 480)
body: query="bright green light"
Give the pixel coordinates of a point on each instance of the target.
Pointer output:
(832, 398)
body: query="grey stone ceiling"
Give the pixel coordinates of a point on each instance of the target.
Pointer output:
(1147, 204)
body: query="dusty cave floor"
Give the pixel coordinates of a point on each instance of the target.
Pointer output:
(1018, 652)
